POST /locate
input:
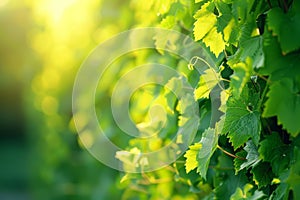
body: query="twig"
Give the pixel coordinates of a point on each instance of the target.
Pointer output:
(230, 154)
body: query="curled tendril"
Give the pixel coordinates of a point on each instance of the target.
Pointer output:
(193, 62)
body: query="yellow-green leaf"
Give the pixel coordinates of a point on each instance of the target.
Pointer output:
(214, 40)
(191, 157)
(205, 21)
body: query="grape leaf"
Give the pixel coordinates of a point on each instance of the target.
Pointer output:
(262, 174)
(248, 29)
(202, 90)
(286, 26)
(238, 162)
(278, 66)
(273, 150)
(224, 14)
(206, 20)
(209, 143)
(214, 40)
(199, 154)
(281, 192)
(284, 102)
(226, 181)
(252, 157)
(226, 23)
(242, 118)
(246, 194)
(231, 32)
(294, 177)
(205, 29)
(191, 157)
(241, 75)
(251, 48)
(257, 195)
(207, 82)
(240, 10)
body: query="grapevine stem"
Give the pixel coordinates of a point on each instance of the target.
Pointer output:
(262, 77)
(230, 154)
(226, 80)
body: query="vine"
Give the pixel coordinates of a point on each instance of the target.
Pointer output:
(259, 80)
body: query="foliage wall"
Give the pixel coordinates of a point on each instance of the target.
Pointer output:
(246, 148)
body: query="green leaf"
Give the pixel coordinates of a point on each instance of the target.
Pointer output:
(286, 26)
(254, 49)
(257, 195)
(191, 157)
(202, 90)
(226, 182)
(199, 154)
(273, 150)
(284, 102)
(209, 143)
(281, 192)
(238, 162)
(252, 157)
(240, 77)
(240, 9)
(226, 23)
(248, 29)
(246, 193)
(207, 82)
(294, 178)
(242, 118)
(262, 174)
(277, 65)
(251, 48)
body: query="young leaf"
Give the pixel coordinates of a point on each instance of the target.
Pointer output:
(206, 30)
(191, 157)
(214, 40)
(199, 154)
(252, 155)
(207, 82)
(206, 20)
(209, 143)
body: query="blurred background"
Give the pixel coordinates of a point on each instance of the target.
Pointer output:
(42, 44)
